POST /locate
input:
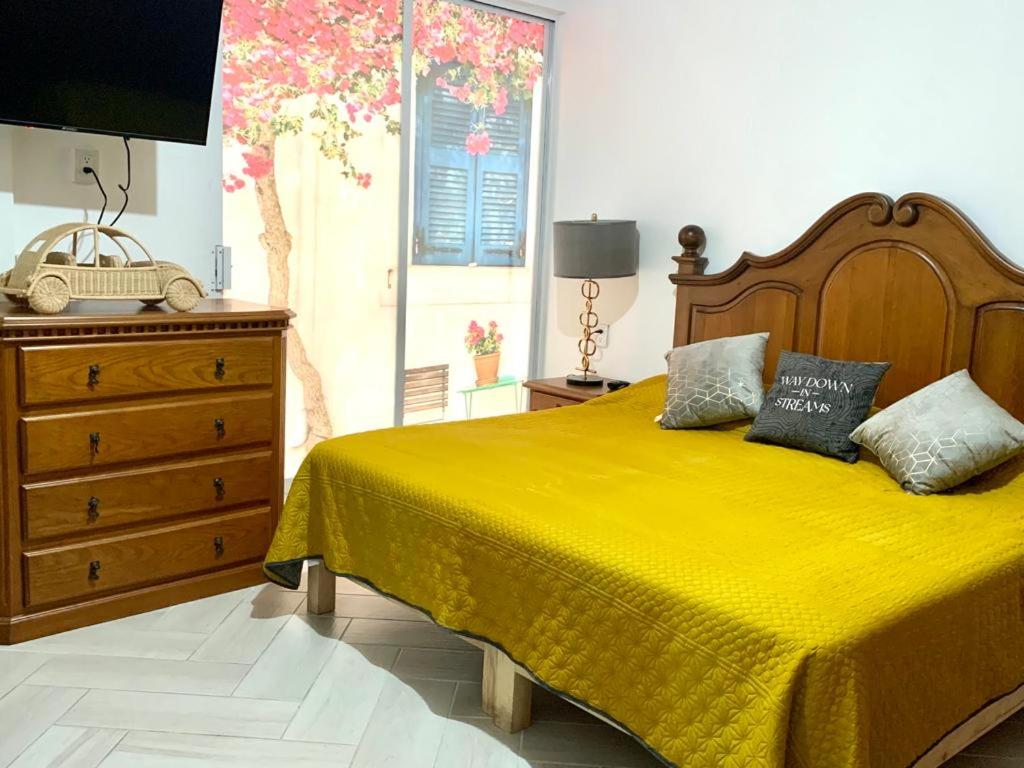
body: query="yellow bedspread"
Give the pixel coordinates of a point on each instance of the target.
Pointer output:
(732, 604)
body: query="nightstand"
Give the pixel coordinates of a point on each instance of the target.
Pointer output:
(554, 393)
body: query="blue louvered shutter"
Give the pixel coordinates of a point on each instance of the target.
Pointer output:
(446, 182)
(501, 178)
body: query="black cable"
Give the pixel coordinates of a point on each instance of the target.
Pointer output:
(99, 184)
(124, 189)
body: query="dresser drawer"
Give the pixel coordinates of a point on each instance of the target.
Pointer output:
(541, 402)
(94, 504)
(82, 372)
(96, 438)
(79, 570)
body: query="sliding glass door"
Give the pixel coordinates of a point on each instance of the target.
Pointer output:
(477, 143)
(323, 217)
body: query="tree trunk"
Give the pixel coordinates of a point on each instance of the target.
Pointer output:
(277, 242)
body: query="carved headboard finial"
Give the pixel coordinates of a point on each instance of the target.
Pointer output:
(905, 213)
(693, 240)
(884, 210)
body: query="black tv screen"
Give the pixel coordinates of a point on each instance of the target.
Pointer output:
(139, 68)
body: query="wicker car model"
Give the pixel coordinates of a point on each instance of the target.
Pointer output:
(47, 279)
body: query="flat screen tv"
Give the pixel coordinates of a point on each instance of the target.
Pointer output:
(137, 68)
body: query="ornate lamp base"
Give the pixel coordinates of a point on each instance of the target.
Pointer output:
(587, 376)
(583, 380)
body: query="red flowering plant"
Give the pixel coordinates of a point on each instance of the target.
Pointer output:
(331, 69)
(483, 342)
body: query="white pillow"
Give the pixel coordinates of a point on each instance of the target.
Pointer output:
(712, 382)
(942, 435)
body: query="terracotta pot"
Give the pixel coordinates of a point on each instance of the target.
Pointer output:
(487, 368)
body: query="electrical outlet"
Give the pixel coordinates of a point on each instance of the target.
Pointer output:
(601, 335)
(86, 158)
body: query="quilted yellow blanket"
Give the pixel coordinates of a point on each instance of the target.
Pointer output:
(731, 604)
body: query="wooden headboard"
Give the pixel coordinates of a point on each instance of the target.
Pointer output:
(913, 283)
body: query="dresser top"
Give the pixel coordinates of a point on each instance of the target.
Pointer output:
(131, 317)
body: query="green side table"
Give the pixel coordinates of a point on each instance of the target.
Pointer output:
(503, 381)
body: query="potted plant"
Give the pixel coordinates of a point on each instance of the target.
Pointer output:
(485, 346)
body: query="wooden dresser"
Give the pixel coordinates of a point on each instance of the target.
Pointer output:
(141, 457)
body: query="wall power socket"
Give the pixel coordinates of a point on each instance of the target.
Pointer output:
(86, 158)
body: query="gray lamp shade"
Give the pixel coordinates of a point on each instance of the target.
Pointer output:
(596, 249)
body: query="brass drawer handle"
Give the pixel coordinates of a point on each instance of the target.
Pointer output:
(94, 570)
(218, 545)
(94, 442)
(94, 375)
(218, 486)
(218, 368)
(94, 509)
(218, 424)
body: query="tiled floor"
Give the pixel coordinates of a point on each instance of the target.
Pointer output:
(248, 679)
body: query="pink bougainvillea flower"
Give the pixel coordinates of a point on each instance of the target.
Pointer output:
(526, 34)
(347, 55)
(257, 165)
(232, 183)
(443, 53)
(501, 101)
(478, 143)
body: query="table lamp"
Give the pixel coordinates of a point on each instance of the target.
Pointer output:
(592, 250)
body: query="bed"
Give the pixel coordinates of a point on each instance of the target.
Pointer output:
(726, 603)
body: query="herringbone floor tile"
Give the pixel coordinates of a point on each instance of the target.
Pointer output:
(248, 679)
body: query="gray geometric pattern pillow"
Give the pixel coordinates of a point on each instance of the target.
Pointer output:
(712, 382)
(942, 435)
(815, 404)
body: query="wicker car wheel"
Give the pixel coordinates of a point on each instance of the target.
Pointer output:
(151, 302)
(22, 300)
(182, 295)
(49, 295)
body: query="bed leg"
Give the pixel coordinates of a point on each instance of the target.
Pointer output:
(506, 693)
(320, 597)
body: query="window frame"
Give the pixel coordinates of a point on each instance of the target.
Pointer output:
(425, 89)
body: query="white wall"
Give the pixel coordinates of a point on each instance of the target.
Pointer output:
(752, 118)
(175, 196)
